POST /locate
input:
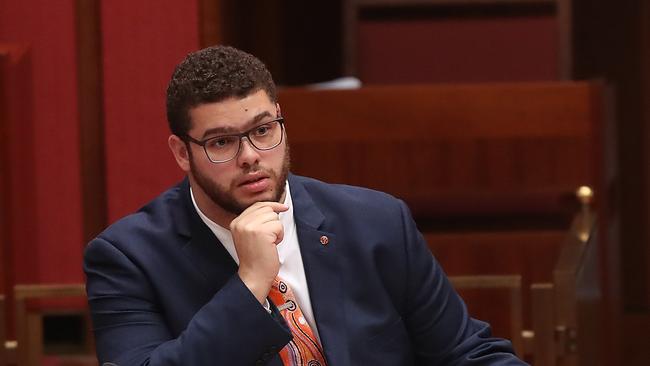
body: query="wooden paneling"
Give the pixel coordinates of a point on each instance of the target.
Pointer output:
(610, 44)
(91, 118)
(211, 22)
(298, 41)
(450, 150)
(5, 182)
(529, 253)
(635, 347)
(613, 43)
(645, 44)
(544, 345)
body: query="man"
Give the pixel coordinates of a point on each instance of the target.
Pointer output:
(243, 263)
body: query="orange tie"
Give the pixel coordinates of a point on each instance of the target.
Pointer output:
(304, 349)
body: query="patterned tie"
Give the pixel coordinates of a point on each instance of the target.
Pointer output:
(304, 349)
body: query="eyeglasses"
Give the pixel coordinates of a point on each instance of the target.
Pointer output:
(220, 149)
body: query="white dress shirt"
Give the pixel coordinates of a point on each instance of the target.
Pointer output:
(292, 270)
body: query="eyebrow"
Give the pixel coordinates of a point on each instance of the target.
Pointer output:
(229, 130)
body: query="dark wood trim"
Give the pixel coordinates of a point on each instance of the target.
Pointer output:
(608, 44)
(544, 347)
(635, 347)
(91, 118)
(210, 22)
(645, 77)
(5, 180)
(565, 38)
(350, 16)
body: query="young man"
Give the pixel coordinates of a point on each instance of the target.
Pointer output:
(243, 263)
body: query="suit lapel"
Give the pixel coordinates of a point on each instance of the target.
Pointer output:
(203, 248)
(319, 250)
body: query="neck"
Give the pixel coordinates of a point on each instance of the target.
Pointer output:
(215, 213)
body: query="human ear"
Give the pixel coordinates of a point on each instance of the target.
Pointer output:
(179, 149)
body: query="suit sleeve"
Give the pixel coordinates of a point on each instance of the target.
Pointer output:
(130, 329)
(442, 331)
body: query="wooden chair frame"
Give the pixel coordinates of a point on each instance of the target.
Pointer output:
(29, 325)
(7, 347)
(556, 306)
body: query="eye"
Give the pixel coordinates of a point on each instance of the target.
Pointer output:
(222, 142)
(262, 130)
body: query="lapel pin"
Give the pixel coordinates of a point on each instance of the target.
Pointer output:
(324, 240)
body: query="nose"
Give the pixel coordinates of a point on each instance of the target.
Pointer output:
(248, 154)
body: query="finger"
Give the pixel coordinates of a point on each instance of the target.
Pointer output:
(279, 236)
(264, 214)
(275, 206)
(271, 229)
(256, 209)
(261, 218)
(277, 229)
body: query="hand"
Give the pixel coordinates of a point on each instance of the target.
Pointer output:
(256, 232)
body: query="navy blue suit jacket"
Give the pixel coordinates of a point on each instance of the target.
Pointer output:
(163, 291)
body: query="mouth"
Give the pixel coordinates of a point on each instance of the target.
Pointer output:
(252, 179)
(254, 183)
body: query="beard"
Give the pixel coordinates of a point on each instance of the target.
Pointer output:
(223, 198)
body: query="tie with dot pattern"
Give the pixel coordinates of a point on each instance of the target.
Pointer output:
(304, 349)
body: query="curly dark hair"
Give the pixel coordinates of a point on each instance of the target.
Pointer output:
(211, 75)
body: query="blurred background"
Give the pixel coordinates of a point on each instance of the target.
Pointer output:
(83, 128)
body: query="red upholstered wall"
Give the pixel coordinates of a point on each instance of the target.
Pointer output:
(53, 205)
(17, 238)
(142, 42)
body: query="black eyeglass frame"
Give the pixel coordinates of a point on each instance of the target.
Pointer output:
(240, 136)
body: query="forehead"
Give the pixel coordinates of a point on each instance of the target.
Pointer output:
(232, 113)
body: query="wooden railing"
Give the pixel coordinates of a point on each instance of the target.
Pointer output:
(28, 348)
(565, 312)
(7, 347)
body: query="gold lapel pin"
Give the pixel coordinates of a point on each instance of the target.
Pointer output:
(324, 240)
